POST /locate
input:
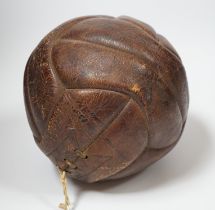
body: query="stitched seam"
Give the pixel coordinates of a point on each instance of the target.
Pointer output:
(129, 53)
(127, 94)
(151, 37)
(105, 127)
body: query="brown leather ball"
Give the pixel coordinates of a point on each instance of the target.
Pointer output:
(105, 97)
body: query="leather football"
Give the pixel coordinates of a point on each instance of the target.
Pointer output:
(105, 97)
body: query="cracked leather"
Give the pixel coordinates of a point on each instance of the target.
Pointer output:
(105, 97)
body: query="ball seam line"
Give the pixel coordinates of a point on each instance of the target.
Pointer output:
(173, 92)
(152, 38)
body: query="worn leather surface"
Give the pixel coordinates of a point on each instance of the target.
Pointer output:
(105, 97)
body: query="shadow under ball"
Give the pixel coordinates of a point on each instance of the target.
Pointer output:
(105, 97)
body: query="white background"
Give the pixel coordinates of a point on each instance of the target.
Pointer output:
(184, 179)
